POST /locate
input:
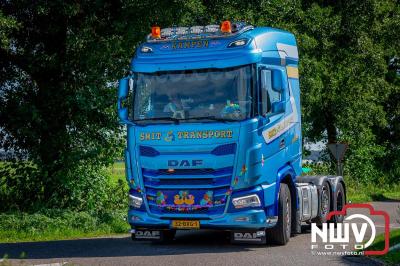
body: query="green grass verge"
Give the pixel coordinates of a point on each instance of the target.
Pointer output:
(393, 257)
(60, 224)
(357, 193)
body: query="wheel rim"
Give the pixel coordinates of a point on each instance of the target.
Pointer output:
(324, 202)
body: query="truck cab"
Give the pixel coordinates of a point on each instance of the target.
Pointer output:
(214, 135)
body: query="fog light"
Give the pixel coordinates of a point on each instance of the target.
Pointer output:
(246, 201)
(135, 202)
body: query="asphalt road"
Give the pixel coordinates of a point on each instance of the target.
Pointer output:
(189, 248)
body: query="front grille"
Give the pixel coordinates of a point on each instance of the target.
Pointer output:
(220, 181)
(206, 210)
(148, 151)
(220, 150)
(201, 191)
(200, 171)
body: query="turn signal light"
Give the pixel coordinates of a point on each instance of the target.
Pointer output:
(156, 32)
(226, 26)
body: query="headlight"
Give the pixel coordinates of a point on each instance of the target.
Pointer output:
(246, 201)
(135, 202)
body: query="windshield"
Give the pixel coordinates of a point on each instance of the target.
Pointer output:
(212, 94)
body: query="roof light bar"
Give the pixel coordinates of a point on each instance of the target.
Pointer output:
(181, 30)
(211, 28)
(167, 32)
(209, 31)
(197, 29)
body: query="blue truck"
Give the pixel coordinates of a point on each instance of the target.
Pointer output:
(214, 136)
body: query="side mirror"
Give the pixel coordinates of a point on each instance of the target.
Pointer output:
(279, 80)
(278, 107)
(123, 114)
(123, 88)
(123, 92)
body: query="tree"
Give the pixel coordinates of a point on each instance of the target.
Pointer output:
(56, 107)
(58, 73)
(345, 48)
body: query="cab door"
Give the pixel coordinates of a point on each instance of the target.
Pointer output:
(273, 97)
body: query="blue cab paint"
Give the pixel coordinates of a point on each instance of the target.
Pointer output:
(193, 170)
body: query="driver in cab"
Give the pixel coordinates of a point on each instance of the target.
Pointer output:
(174, 106)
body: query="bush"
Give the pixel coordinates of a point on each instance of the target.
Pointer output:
(90, 190)
(82, 188)
(60, 224)
(21, 186)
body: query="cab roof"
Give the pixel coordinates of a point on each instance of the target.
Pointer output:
(187, 48)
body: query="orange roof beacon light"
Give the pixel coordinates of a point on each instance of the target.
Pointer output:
(155, 32)
(226, 27)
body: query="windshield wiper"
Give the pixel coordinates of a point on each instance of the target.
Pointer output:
(176, 120)
(211, 117)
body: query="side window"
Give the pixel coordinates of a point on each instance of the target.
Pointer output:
(268, 95)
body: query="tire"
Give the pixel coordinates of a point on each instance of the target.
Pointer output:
(280, 234)
(340, 201)
(324, 204)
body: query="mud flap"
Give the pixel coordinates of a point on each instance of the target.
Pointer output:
(248, 237)
(148, 234)
(296, 224)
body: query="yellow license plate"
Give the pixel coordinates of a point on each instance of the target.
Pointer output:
(185, 224)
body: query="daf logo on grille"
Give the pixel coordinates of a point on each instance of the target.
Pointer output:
(175, 163)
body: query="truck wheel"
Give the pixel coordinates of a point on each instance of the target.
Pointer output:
(340, 202)
(324, 203)
(280, 234)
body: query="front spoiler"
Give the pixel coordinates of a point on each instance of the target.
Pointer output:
(249, 219)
